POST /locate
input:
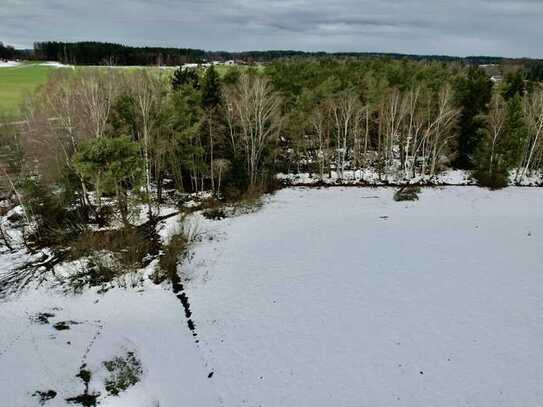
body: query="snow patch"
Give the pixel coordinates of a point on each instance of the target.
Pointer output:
(9, 64)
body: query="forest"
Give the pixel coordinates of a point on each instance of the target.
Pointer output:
(97, 144)
(98, 53)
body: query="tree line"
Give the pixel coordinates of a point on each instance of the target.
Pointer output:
(410, 119)
(7, 52)
(100, 53)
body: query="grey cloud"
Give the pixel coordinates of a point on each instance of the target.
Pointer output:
(461, 27)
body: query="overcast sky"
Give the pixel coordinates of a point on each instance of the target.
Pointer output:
(454, 27)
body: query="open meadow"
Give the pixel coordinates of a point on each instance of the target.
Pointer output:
(18, 81)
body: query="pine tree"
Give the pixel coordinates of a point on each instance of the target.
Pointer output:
(514, 85)
(113, 165)
(211, 89)
(501, 143)
(211, 100)
(473, 94)
(183, 77)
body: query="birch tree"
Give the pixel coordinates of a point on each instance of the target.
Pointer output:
(147, 92)
(533, 151)
(256, 119)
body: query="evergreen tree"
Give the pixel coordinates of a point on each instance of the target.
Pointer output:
(514, 85)
(114, 166)
(473, 93)
(211, 89)
(534, 72)
(211, 101)
(183, 77)
(7, 51)
(501, 144)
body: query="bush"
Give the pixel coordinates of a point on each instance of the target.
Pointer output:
(214, 214)
(113, 255)
(407, 193)
(131, 245)
(100, 270)
(57, 223)
(496, 179)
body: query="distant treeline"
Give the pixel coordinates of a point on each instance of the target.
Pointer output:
(7, 51)
(99, 53)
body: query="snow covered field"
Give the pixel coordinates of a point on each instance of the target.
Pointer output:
(8, 64)
(324, 297)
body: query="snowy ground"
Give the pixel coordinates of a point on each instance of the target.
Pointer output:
(8, 64)
(324, 297)
(369, 176)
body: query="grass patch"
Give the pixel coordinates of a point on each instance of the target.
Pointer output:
(100, 270)
(123, 372)
(22, 80)
(114, 256)
(19, 81)
(132, 246)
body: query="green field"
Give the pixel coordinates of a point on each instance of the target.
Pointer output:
(16, 82)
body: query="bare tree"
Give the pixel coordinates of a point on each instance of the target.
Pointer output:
(495, 120)
(255, 119)
(440, 131)
(71, 109)
(320, 136)
(147, 88)
(222, 166)
(533, 111)
(346, 113)
(97, 90)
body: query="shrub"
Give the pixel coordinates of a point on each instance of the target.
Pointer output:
(56, 222)
(407, 193)
(214, 214)
(497, 178)
(99, 270)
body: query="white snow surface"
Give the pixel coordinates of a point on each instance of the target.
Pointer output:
(324, 297)
(55, 64)
(369, 176)
(8, 64)
(36, 357)
(317, 300)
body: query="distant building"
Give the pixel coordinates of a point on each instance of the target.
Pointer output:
(190, 66)
(496, 78)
